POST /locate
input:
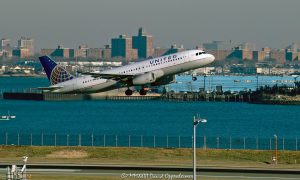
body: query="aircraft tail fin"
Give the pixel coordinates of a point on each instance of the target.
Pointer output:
(55, 73)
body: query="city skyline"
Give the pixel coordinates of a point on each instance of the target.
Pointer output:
(262, 22)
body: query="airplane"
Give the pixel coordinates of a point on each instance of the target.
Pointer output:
(152, 72)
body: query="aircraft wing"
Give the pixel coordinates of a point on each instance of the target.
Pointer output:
(117, 77)
(49, 88)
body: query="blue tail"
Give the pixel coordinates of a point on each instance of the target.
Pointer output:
(55, 73)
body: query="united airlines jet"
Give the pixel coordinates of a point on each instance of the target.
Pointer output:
(152, 72)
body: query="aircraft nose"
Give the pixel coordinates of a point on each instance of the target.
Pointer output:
(211, 58)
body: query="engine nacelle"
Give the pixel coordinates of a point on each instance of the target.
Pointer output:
(164, 80)
(147, 78)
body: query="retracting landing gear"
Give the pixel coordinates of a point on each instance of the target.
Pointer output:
(128, 92)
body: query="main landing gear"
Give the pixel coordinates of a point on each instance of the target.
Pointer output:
(128, 92)
(143, 92)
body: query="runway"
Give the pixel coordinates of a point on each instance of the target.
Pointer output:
(158, 172)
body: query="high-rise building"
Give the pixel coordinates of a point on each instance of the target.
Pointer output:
(26, 43)
(122, 47)
(106, 53)
(5, 48)
(278, 55)
(94, 53)
(63, 52)
(4, 44)
(294, 47)
(220, 55)
(259, 55)
(143, 42)
(21, 52)
(82, 51)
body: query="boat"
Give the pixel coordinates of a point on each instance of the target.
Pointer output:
(236, 80)
(7, 117)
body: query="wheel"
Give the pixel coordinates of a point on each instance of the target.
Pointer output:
(128, 92)
(143, 92)
(194, 78)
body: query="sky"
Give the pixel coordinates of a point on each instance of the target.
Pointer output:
(273, 23)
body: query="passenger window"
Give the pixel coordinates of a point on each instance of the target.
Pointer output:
(196, 54)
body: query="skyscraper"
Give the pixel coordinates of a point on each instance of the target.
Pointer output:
(143, 43)
(26, 43)
(4, 44)
(122, 47)
(5, 48)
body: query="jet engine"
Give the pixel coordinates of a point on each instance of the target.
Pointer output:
(164, 80)
(147, 78)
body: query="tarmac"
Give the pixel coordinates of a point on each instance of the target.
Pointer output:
(160, 172)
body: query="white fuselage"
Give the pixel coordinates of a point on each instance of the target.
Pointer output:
(164, 65)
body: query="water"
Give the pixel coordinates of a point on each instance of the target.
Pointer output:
(148, 118)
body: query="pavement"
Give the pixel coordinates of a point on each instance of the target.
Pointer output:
(160, 172)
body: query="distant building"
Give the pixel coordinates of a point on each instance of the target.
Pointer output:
(5, 48)
(26, 43)
(259, 55)
(95, 53)
(220, 55)
(219, 45)
(242, 70)
(4, 44)
(278, 55)
(242, 54)
(82, 51)
(159, 52)
(44, 52)
(63, 52)
(291, 55)
(174, 49)
(106, 53)
(143, 43)
(122, 48)
(21, 53)
(294, 47)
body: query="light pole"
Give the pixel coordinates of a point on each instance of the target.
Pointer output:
(276, 149)
(204, 82)
(295, 81)
(197, 121)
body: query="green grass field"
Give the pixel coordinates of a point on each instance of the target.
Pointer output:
(142, 156)
(147, 156)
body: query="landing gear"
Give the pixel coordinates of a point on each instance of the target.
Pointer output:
(194, 78)
(143, 92)
(128, 92)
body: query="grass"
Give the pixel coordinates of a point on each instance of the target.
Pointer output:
(147, 156)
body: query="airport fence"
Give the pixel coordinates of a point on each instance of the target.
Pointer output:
(55, 139)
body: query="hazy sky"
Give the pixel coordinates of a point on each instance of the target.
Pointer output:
(273, 23)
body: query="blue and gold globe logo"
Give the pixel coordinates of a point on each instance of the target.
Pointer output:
(59, 75)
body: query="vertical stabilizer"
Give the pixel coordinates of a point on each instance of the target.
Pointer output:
(55, 73)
